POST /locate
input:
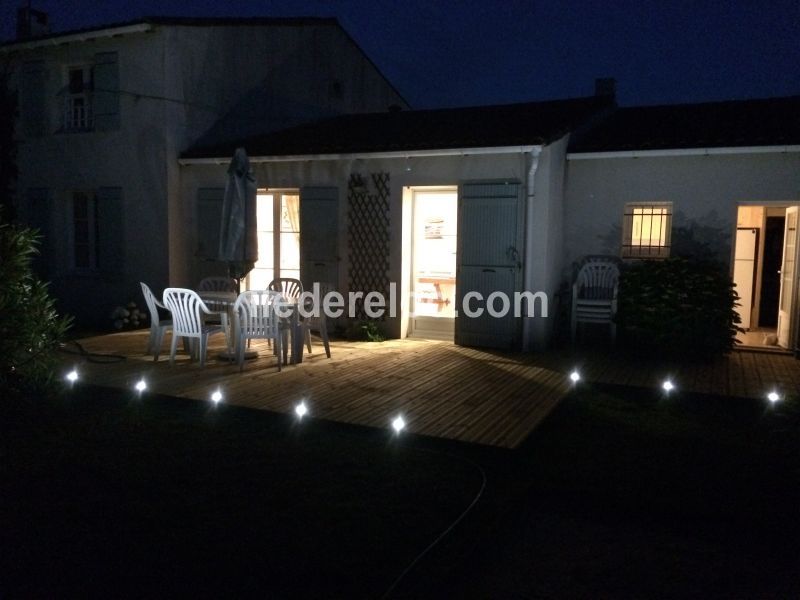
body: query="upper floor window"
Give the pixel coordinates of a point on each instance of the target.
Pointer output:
(78, 100)
(646, 230)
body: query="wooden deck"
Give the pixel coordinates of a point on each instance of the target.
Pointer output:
(441, 389)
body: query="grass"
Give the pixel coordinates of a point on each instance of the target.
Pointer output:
(620, 493)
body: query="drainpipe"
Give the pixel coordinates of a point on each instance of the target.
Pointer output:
(531, 160)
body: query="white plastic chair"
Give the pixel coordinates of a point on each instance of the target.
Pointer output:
(291, 289)
(594, 294)
(188, 321)
(157, 325)
(320, 323)
(256, 318)
(217, 284)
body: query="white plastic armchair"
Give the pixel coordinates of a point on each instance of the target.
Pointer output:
(318, 323)
(288, 286)
(594, 293)
(257, 318)
(188, 320)
(157, 325)
(217, 284)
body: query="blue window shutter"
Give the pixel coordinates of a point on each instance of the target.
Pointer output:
(209, 215)
(33, 103)
(105, 98)
(38, 212)
(110, 233)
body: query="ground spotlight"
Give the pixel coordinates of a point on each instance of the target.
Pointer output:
(141, 385)
(773, 397)
(575, 377)
(216, 397)
(72, 376)
(301, 410)
(398, 424)
(667, 386)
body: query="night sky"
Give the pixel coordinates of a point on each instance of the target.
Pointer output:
(467, 53)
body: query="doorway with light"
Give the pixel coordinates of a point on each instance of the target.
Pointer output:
(433, 262)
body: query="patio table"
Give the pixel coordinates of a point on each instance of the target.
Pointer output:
(225, 301)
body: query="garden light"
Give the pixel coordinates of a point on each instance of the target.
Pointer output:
(216, 397)
(72, 376)
(398, 424)
(301, 409)
(773, 397)
(667, 386)
(575, 377)
(141, 386)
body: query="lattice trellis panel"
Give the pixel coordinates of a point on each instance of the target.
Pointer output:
(368, 235)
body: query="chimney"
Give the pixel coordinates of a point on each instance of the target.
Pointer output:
(605, 87)
(31, 23)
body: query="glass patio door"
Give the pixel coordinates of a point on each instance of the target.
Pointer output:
(278, 217)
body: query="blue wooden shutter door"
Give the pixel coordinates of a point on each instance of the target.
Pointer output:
(105, 98)
(489, 239)
(110, 233)
(319, 236)
(33, 103)
(209, 214)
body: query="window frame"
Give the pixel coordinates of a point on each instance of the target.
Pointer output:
(647, 247)
(68, 120)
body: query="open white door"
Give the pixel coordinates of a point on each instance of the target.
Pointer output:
(788, 279)
(744, 272)
(489, 239)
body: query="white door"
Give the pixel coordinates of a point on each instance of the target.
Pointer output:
(319, 236)
(744, 271)
(788, 279)
(489, 260)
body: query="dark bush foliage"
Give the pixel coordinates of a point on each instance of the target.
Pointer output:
(678, 308)
(30, 328)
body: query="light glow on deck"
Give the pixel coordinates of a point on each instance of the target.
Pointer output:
(141, 385)
(301, 410)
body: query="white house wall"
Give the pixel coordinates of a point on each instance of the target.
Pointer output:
(132, 158)
(411, 172)
(704, 189)
(175, 83)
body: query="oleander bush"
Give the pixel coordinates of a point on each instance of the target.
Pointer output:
(30, 328)
(678, 308)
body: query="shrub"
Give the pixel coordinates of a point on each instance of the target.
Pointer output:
(678, 308)
(30, 328)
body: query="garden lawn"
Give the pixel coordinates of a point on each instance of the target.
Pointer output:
(106, 493)
(621, 492)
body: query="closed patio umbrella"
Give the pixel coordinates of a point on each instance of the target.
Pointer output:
(238, 238)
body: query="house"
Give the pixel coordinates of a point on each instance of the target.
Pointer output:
(424, 207)
(719, 179)
(105, 112)
(467, 221)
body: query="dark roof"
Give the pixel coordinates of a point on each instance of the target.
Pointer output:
(189, 22)
(525, 124)
(764, 122)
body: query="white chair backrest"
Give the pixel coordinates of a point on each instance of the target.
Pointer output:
(217, 284)
(185, 306)
(289, 287)
(152, 303)
(256, 313)
(597, 280)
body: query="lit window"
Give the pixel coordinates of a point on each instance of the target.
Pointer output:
(646, 230)
(84, 231)
(78, 100)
